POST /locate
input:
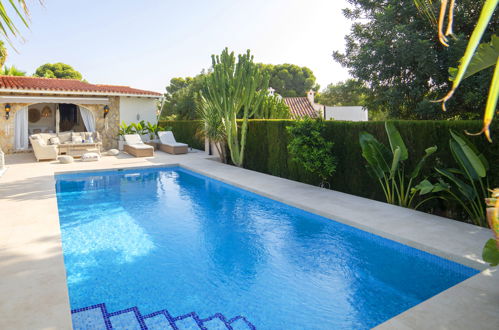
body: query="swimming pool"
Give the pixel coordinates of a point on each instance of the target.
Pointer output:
(170, 239)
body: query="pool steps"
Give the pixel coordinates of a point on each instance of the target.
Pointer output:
(96, 317)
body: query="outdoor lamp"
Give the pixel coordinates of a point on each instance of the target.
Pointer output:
(106, 110)
(7, 111)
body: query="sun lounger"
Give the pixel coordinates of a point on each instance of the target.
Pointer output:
(169, 145)
(135, 147)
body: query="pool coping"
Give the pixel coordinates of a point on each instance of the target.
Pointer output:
(441, 311)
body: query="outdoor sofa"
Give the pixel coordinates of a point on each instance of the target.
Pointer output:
(135, 147)
(167, 143)
(47, 146)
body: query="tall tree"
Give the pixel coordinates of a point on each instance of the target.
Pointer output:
(395, 51)
(57, 70)
(290, 79)
(344, 93)
(182, 96)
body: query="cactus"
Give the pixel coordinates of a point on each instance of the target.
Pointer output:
(235, 91)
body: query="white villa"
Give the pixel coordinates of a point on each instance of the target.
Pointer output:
(30, 105)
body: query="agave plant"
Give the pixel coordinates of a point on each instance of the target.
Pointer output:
(477, 57)
(387, 166)
(466, 184)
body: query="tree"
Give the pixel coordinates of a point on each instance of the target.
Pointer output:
(57, 70)
(272, 107)
(12, 71)
(344, 93)
(393, 49)
(182, 96)
(235, 90)
(289, 79)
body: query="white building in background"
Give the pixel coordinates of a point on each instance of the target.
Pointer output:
(347, 113)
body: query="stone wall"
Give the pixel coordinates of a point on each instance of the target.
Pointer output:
(108, 128)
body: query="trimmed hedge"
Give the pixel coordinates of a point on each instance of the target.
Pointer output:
(267, 152)
(185, 131)
(267, 140)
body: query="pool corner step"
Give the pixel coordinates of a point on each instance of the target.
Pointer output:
(96, 317)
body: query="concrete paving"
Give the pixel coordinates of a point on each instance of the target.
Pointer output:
(33, 286)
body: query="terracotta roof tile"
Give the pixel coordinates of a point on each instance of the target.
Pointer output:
(300, 107)
(66, 85)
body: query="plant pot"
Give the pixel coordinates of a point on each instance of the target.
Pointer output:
(121, 145)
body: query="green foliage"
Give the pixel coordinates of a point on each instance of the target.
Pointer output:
(466, 185)
(485, 57)
(394, 51)
(490, 253)
(185, 131)
(57, 70)
(308, 148)
(182, 96)
(125, 129)
(289, 79)
(388, 167)
(140, 127)
(3, 53)
(235, 90)
(267, 152)
(212, 128)
(273, 107)
(7, 25)
(12, 71)
(348, 93)
(153, 129)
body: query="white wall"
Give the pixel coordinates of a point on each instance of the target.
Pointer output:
(354, 113)
(130, 107)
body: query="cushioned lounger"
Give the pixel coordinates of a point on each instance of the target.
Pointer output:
(170, 145)
(135, 147)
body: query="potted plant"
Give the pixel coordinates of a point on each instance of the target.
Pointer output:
(152, 130)
(141, 129)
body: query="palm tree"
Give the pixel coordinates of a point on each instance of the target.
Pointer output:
(12, 71)
(7, 25)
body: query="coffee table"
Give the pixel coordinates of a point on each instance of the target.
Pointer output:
(78, 149)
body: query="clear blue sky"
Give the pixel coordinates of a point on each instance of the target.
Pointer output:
(146, 43)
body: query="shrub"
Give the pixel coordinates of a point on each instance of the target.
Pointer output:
(309, 148)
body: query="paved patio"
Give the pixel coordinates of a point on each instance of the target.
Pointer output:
(33, 286)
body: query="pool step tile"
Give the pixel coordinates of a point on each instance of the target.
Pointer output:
(96, 317)
(127, 319)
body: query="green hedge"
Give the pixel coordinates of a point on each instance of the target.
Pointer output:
(266, 152)
(185, 131)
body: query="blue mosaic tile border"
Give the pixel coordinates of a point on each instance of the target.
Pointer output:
(106, 318)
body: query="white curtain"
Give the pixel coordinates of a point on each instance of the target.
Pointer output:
(21, 129)
(88, 119)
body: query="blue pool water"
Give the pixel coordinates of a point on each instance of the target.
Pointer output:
(172, 239)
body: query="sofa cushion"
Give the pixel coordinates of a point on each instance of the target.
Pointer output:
(76, 139)
(64, 137)
(55, 140)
